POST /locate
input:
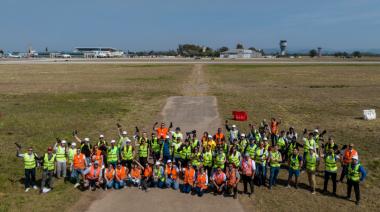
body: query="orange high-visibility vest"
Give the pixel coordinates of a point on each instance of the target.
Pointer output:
(201, 180)
(231, 176)
(136, 173)
(347, 157)
(247, 167)
(121, 173)
(162, 132)
(171, 171)
(79, 161)
(219, 178)
(91, 173)
(189, 176)
(109, 174)
(148, 172)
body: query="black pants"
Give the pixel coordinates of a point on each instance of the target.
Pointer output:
(143, 160)
(128, 164)
(146, 182)
(30, 177)
(156, 156)
(326, 182)
(209, 170)
(351, 183)
(344, 172)
(247, 180)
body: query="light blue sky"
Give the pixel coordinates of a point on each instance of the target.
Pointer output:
(163, 24)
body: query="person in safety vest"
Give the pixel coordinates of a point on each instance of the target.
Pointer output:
(251, 148)
(49, 160)
(355, 175)
(274, 130)
(346, 159)
(330, 170)
(166, 152)
(60, 150)
(147, 178)
(248, 169)
(207, 160)
(97, 155)
(30, 163)
(311, 164)
(78, 167)
(162, 131)
(134, 176)
(201, 182)
(219, 136)
(126, 154)
(185, 153)
(143, 151)
(121, 173)
(189, 178)
(261, 155)
(155, 145)
(219, 159)
(218, 181)
(85, 146)
(123, 136)
(102, 143)
(295, 163)
(275, 164)
(70, 156)
(233, 178)
(282, 141)
(113, 154)
(234, 157)
(94, 177)
(309, 143)
(196, 157)
(172, 175)
(177, 134)
(109, 176)
(158, 175)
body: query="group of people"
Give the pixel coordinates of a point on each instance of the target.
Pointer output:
(214, 163)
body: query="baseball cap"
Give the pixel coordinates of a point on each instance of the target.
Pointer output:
(158, 163)
(167, 136)
(356, 157)
(169, 161)
(73, 144)
(233, 125)
(124, 132)
(316, 130)
(101, 136)
(265, 138)
(242, 135)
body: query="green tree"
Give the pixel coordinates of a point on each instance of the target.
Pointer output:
(357, 54)
(239, 46)
(313, 53)
(223, 49)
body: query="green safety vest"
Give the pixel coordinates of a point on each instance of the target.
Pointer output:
(60, 154)
(207, 159)
(235, 159)
(276, 156)
(100, 143)
(176, 135)
(281, 143)
(316, 139)
(143, 150)
(251, 150)
(219, 161)
(291, 147)
(155, 145)
(311, 162)
(127, 154)
(185, 152)
(260, 158)
(176, 147)
(49, 164)
(308, 144)
(112, 154)
(158, 172)
(194, 144)
(295, 162)
(195, 159)
(353, 174)
(29, 161)
(242, 145)
(330, 163)
(71, 154)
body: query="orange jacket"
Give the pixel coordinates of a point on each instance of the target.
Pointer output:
(148, 172)
(231, 177)
(189, 176)
(121, 173)
(201, 180)
(91, 173)
(136, 173)
(109, 174)
(162, 132)
(171, 171)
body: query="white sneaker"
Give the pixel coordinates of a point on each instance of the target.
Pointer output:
(76, 185)
(45, 190)
(35, 187)
(288, 186)
(27, 189)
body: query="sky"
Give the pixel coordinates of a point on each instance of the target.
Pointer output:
(163, 24)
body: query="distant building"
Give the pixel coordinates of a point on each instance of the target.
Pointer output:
(319, 52)
(283, 46)
(99, 52)
(240, 53)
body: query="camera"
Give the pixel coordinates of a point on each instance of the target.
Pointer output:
(191, 132)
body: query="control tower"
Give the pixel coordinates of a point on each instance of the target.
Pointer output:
(283, 45)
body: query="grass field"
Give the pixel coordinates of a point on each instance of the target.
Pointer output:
(41, 102)
(306, 96)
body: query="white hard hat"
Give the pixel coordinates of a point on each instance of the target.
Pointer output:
(169, 161)
(86, 139)
(63, 142)
(242, 135)
(209, 136)
(73, 144)
(355, 157)
(127, 140)
(316, 131)
(234, 125)
(167, 136)
(265, 138)
(158, 163)
(124, 132)
(113, 141)
(101, 136)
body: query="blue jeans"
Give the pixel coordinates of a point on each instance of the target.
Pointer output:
(293, 172)
(186, 188)
(159, 183)
(119, 184)
(170, 183)
(273, 175)
(260, 173)
(109, 184)
(199, 191)
(30, 177)
(75, 174)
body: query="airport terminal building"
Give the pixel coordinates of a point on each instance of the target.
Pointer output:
(99, 52)
(240, 53)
